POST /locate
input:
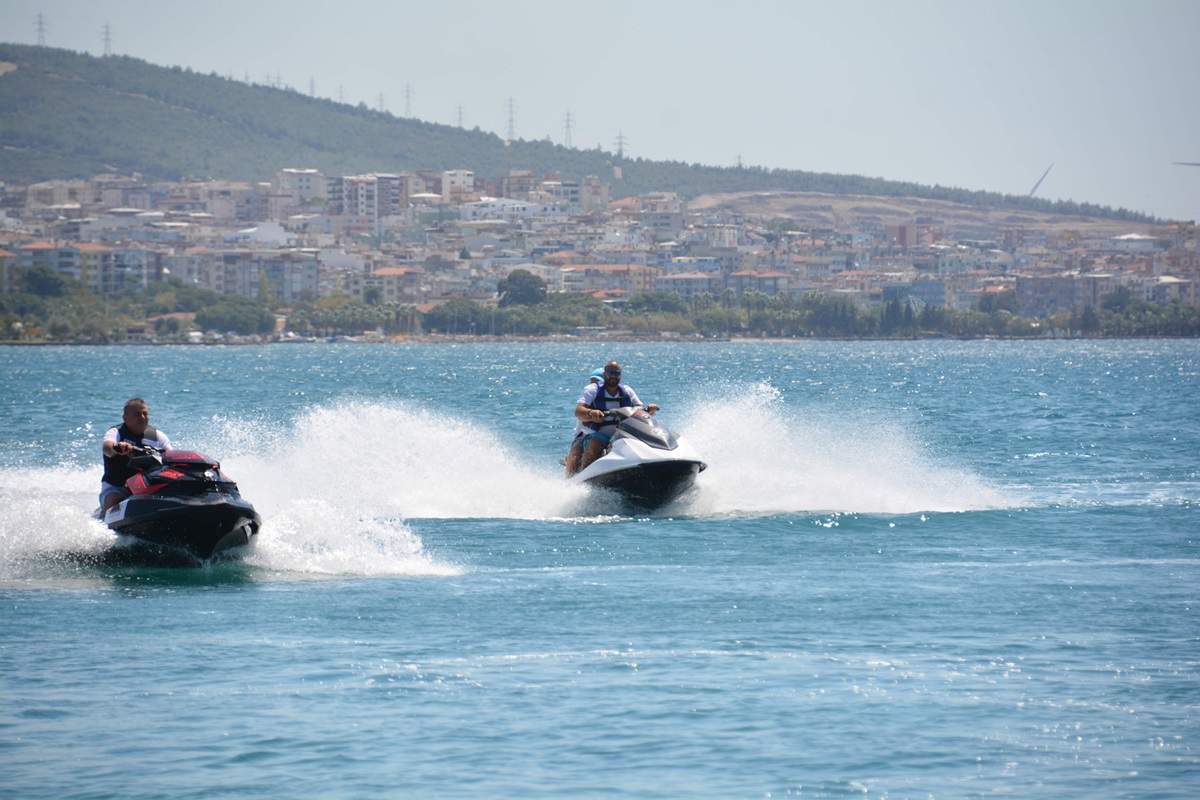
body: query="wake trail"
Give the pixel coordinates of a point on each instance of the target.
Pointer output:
(339, 485)
(766, 458)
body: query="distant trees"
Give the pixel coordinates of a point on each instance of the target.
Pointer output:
(237, 315)
(658, 301)
(521, 287)
(78, 315)
(457, 316)
(44, 282)
(998, 301)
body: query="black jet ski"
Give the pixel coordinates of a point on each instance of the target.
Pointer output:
(645, 462)
(180, 500)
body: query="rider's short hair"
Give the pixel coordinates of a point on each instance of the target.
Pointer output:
(133, 402)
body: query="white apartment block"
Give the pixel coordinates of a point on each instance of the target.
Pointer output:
(457, 185)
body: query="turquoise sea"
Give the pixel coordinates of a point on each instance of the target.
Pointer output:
(913, 569)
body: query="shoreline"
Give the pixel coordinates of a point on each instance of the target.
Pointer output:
(468, 339)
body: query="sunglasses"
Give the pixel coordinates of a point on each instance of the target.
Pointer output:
(612, 374)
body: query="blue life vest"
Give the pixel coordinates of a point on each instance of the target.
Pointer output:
(601, 400)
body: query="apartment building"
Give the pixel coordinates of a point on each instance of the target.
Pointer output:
(629, 278)
(458, 186)
(1042, 295)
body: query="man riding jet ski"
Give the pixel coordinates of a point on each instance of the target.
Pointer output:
(167, 498)
(626, 450)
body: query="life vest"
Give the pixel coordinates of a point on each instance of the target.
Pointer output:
(116, 467)
(600, 402)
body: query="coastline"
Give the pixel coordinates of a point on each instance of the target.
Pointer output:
(468, 339)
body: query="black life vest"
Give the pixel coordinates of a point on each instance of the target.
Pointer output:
(116, 467)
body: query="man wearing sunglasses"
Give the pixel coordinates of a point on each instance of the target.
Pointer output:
(592, 405)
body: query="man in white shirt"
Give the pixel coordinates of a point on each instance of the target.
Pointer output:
(119, 442)
(595, 401)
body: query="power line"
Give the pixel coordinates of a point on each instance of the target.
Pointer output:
(40, 26)
(621, 142)
(107, 39)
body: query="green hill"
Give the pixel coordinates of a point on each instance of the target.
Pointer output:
(66, 114)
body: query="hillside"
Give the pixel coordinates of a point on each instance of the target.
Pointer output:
(960, 220)
(67, 114)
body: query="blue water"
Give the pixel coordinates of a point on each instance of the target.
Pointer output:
(912, 569)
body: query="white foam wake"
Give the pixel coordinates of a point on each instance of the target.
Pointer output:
(336, 485)
(766, 458)
(396, 460)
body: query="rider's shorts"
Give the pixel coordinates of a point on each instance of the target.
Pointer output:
(107, 489)
(604, 434)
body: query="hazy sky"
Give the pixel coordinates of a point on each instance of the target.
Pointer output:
(982, 95)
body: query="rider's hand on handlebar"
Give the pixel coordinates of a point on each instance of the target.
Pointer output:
(123, 448)
(596, 415)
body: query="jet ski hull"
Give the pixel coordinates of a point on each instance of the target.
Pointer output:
(649, 485)
(204, 526)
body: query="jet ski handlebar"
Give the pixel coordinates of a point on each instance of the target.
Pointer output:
(617, 415)
(144, 450)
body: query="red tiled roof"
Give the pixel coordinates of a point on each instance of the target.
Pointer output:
(562, 256)
(395, 272)
(39, 246)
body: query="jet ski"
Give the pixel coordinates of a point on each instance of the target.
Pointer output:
(644, 462)
(182, 501)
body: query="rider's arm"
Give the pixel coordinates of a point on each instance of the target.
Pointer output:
(587, 414)
(637, 401)
(583, 406)
(111, 447)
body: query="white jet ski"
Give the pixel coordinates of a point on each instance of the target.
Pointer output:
(645, 462)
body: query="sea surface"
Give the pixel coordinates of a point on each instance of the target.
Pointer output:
(912, 569)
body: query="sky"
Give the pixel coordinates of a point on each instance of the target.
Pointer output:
(975, 94)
